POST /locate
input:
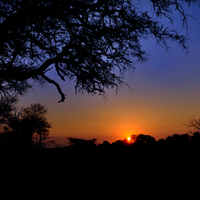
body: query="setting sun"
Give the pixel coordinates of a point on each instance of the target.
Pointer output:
(128, 138)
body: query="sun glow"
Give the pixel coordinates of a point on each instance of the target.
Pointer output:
(128, 139)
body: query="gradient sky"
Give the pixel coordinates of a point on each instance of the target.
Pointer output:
(164, 94)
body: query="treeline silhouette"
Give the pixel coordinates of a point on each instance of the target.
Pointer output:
(140, 141)
(145, 160)
(145, 144)
(140, 149)
(28, 129)
(139, 144)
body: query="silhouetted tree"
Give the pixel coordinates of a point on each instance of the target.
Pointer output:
(182, 138)
(161, 141)
(105, 145)
(177, 140)
(33, 120)
(23, 127)
(82, 142)
(119, 143)
(195, 139)
(144, 139)
(83, 40)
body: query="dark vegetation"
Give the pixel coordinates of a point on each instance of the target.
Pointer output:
(23, 128)
(28, 128)
(86, 41)
(145, 144)
(24, 140)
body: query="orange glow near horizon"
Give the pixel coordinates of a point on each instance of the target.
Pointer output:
(163, 94)
(128, 139)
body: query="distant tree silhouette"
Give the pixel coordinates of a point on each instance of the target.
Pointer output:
(143, 139)
(178, 141)
(82, 142)
(33, 120)
(161, 141)
(25, 127)
(119, 143)
(195, 139)
(83, 40)
(105, 145)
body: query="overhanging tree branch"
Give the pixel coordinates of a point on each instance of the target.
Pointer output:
(84, 40)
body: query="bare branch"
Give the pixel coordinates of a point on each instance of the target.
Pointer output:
(57, 86)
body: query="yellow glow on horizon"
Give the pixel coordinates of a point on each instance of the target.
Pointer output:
(128, 138)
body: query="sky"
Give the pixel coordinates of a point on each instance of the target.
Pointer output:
(164, 94)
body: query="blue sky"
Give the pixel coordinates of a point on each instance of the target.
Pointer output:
(165, 92)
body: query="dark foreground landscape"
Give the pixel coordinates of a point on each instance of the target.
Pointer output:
(146, 168)
(141, 149)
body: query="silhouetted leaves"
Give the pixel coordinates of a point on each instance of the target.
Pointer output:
(23, 127)
(143, 139)
(84, 41)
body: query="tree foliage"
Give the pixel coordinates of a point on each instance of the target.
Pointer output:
(83, 40)
(143, 139)
(23, 127)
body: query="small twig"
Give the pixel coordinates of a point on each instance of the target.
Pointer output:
(58, 69)
(48, 70)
